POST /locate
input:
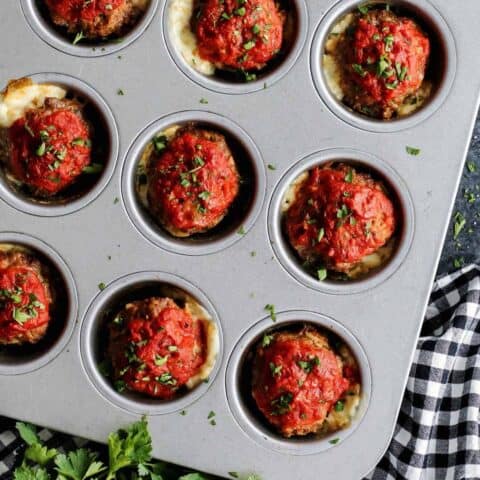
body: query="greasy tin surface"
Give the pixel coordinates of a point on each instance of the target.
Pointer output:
(288, 122)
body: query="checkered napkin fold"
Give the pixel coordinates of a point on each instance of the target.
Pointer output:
(437, 436)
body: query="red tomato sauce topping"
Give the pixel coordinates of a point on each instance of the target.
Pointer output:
(75, 11)
(24, 302)
(339, 216)
(49, 149)
(298, 381)
(239, 34)
(157, 348)
(193, 181)
(388, 57)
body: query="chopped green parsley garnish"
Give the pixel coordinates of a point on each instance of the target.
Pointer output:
(79, 36)
(271, 310)
(322, 274)
(459, 224)
(413, 151)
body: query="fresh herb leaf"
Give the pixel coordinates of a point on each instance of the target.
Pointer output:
(27, 432)
(79, 36)
(363, 9)
(412, 151)
(266, 340)
(459, 224)
(349, 176)
(271, 310)
(276, 370)
(25, 472)
(281, 405)
(357, 68)
(93, 168)
(129, 447)
(159, 360)
(322, 274)
(78, 465)
(40, 454)
(458, 262)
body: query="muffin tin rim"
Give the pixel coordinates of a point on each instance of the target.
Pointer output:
(137, 215)
(93, 315)
(362, 122)
(224, 87)
(52, 39)
(35, 244)
(279, 243)
(294, 446)
(72, 83)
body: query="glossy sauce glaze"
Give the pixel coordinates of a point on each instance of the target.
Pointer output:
(25, 298)
(381, 59)
(298, 380)
(156, 347)
(238, 34)
(49, 146)
(95, 18)
(338, 216)
(192, 180)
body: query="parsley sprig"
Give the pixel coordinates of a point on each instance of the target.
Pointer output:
(129, 456)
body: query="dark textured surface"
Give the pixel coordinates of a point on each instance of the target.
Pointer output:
(466, 247)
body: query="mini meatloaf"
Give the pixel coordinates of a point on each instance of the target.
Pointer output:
(192, 180)
(25, 298)
(239, 34)
(48, 145)
(376, 63)
(94, 18)
(337, 217)
(156, 347)
(236, 39)
(302, 386)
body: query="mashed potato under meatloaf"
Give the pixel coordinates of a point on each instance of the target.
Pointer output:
(233, 35)
(96, 18)
(302, 386)
(191, 179)
(340, 219)
(25, 297)
(44, 138)
(376, 61)
(160, 346)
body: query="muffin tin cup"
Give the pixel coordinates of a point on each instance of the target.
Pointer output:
(34, 207)
(424, 10)
(94, 322)
(285, 253)
(249, 422)
(222, 86)
(147, 226)
(45, 30)
(47, 349)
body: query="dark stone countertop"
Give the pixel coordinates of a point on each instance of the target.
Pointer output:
(466, 247)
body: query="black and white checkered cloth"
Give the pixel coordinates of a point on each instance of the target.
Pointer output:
(438, 431)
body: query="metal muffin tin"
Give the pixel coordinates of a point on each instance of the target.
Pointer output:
(293, 118)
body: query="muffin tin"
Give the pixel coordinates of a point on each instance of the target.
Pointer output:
(285, 123)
